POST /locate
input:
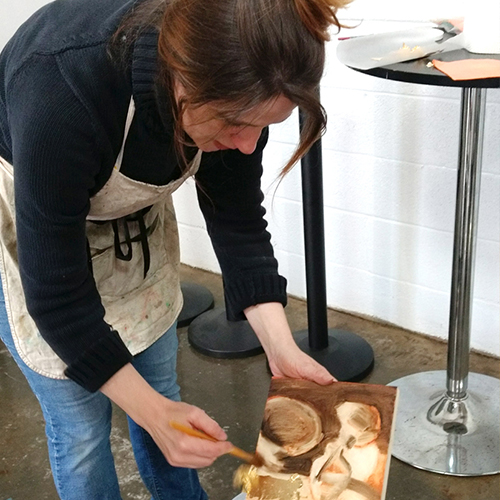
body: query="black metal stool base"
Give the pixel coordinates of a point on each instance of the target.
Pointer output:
(348, 357)
(213, 335)
(197, 300)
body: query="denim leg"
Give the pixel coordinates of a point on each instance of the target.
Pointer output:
(78, 425)
(157, 365)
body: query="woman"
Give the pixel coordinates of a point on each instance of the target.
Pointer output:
(106, 107)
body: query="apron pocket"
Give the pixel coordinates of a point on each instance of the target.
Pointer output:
(116, 277)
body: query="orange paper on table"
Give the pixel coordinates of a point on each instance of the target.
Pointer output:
(469, 69)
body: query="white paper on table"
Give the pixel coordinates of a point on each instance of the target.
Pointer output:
(373, 51)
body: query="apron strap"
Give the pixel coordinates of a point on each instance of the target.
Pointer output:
(128, 123)
(144, 232)
(118, 245)
(89, 258)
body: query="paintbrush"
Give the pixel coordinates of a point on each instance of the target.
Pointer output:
(253, 459)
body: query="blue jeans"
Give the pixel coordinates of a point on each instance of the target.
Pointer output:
(78, 426)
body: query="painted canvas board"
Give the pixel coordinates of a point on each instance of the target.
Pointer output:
(323, 442)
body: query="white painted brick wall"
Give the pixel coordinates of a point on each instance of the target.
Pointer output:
(390, 166)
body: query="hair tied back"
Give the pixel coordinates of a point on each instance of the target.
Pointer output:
(319, 15)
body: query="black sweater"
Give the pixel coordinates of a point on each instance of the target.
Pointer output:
(63, 104)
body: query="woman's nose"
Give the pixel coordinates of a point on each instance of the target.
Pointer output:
(246, 140)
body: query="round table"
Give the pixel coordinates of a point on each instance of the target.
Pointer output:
(449, 421)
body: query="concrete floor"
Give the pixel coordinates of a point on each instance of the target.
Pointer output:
(234, 393)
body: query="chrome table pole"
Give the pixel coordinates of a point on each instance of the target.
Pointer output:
(449, 422)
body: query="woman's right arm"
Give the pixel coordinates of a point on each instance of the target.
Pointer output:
(57, 152)
(61, 147)
(153, 412)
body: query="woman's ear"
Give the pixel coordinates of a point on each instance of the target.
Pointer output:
(179, 90)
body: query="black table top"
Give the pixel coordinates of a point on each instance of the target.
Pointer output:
(418, 72)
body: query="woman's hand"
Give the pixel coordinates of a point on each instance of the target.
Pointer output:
(182, 450)
(285, 358)
(153, 412)
(292, 362)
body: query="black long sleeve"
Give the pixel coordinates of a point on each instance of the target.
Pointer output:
(230, 197)
(57, 158)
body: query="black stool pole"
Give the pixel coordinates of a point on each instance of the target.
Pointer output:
(314, 238)
(346, 355)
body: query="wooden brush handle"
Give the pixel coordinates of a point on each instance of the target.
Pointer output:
(237, 452)
(191, 432)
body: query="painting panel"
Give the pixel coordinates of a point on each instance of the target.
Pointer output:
(322, 442)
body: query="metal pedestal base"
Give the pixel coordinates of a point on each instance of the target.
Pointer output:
(213, 335)
(439, 434)
(348, 357)
(197, 300)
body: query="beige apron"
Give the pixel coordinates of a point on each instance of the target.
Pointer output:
(140, 308)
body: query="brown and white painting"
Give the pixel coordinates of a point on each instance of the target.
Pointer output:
(322, 442)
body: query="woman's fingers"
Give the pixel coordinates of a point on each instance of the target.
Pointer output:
(183, 450)
(201, 421)
(201, 449)
(296, 364)
(317, 373)
(193, 452)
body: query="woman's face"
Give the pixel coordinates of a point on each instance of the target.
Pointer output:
(211, 133)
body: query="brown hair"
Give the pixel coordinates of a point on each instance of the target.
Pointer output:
(241, 53)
